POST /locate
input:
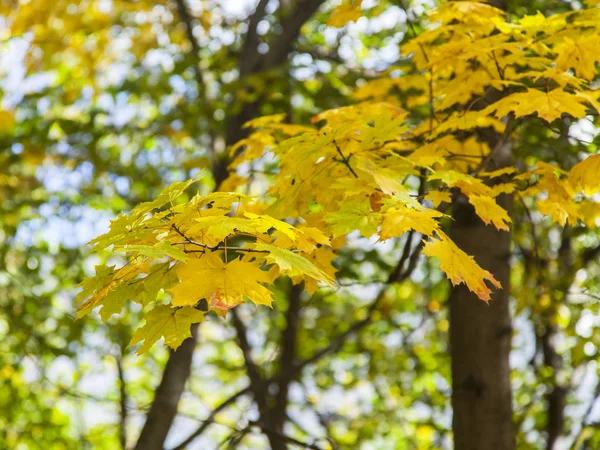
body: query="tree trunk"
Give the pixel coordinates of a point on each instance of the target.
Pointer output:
(164, 407)
(480, 335)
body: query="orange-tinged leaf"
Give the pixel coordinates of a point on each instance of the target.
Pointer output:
(222, 285)
(460, 267)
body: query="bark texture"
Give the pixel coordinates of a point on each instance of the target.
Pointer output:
(480, 334)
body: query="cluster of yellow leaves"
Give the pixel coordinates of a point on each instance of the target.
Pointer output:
(210, 250)
(361, 168)
(385, 166)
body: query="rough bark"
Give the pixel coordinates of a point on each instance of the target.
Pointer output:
(480, 334)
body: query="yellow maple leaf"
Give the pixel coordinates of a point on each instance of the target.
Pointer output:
(387, 179)
(581, 55)
(498, 173)
(490, 211)
(171, 323)
(348, 11)
(548, 105)
(168, 195)
(97, 288)
(398, 221)
(222, 285)
(293, 264)
(320, 258)
(502, 188)
(353, 216)
(585, 175)
(267, 222)
(460, 267)
(561, 211)
(214, 229)
(437, 197)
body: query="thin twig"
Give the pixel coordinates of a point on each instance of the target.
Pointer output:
(345, 160)
(285, 438)
(122, 404)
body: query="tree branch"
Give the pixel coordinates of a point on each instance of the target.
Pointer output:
(250, 61)
(164, 407)
(211, 418)
(256, 379)
(287, 356)
(396, 276)
(281, 45)
(283, 438)
(122, 404)
(187, 21)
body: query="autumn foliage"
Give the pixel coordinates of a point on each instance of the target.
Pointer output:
(415, 140)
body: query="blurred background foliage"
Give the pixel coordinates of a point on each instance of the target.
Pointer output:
(104, 102)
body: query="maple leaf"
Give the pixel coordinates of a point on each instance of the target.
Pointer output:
(266, 222)
(214, 229)
(307, 239)
(397, 221)
(437, 197)
(265, 121)
(348, 11)
(467, 184)
(460, 267)
(97, 288)
(548, 105)
(581, 55)
(223, 285)
(168, 195)
(561, 212)
(489, 211)
(386, 179)
(171, 323)
(321, 258)
(462, 11)
(585, 175)
(353, 216)
(498, 173)
(293, 264)
(159, 250)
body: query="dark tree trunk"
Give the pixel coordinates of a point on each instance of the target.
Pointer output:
(556, 396)
(480, 335)
(164, 407)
